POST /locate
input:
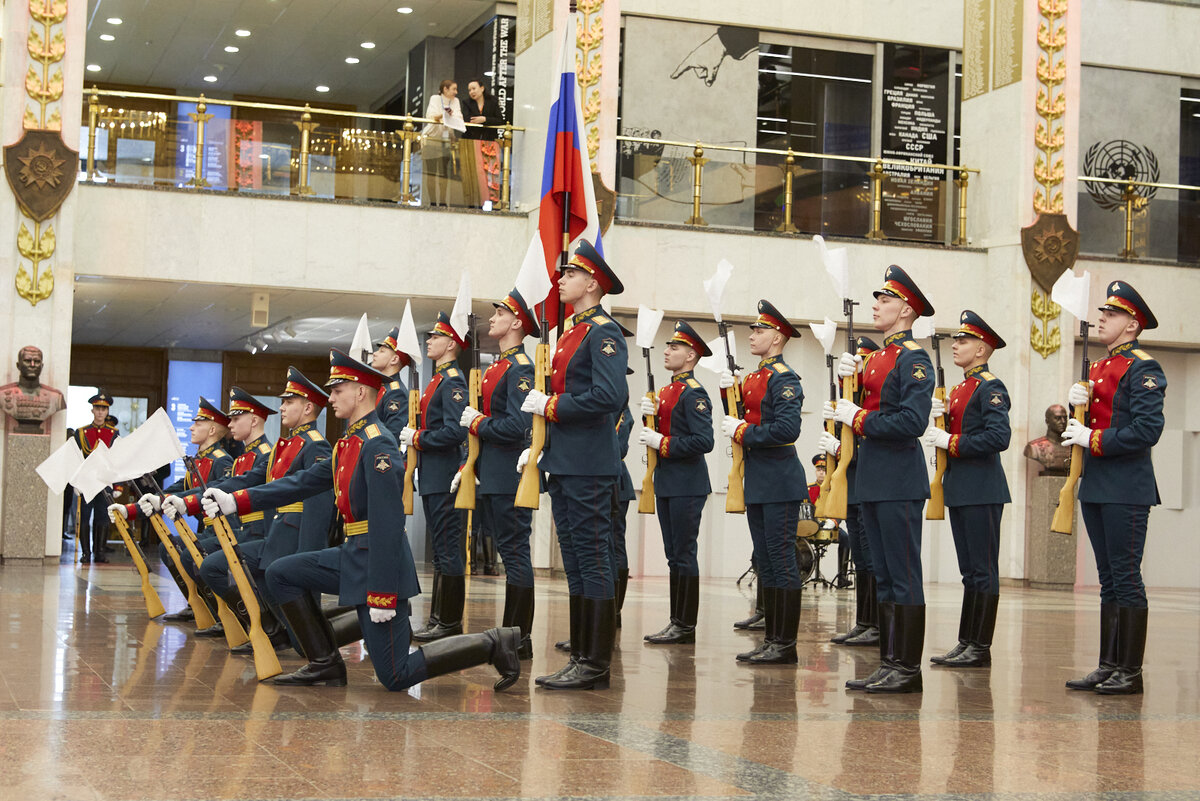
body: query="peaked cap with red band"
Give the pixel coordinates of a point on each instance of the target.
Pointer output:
(242, 402)
(208, 411)
(588, 259)
(101, 399)
(971, 324)
(769, 317)
(298, 386)
(443, 328)
(864, 345)
(391, 340)
(897, 284)
(1123, 297)
(520, 309)
(686, 335)
(345, 368)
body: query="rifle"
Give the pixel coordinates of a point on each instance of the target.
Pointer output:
(839, 491)
(735, 498)
(1064, 515)
(831, 427)
(266, 664)
(154, 606)
(204, 618)
(465, 499)
(646, 502)
(529, 490)
(936, 510)
(410, 456)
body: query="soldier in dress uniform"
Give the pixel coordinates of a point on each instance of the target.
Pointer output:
(865, 631)
(814, 489)
(974, 486)
(891, 483)
(504, 431)
(1125, 396)
(683, 419)
(373, 568)
(583, 461)
(439, 443)
(393, 396)
(93, 520)
(774, 480)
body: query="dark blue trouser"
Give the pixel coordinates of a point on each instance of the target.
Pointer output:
(214, 570)
(448, 530)
(290, 577)
(894, 531)
(93, 526)
(620, 520)
(976, 531)
(1118, 535)
(582, 507)
(860, 546)
(511, 527)
(206, 545)
(773, 531)
(679, 519)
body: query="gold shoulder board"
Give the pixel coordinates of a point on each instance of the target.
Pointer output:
(600, 319)
(1141, 354)
(372, 431)
(394, 385)
(264, 448)
(986, 376)
(908, 343)
(780, 368)
(452, 372)
(315, 435)
(693, 383)
(522, 358)
(218, 453)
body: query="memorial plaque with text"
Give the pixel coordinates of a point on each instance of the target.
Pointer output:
(1006, 50)
(524, 25)
(977, 20)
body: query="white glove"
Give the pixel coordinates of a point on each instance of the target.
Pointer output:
(173, 507)
(1080, 393)
(844, 413)
(726, 380)
(829, 524)
(382, 615)
(454, 482)
(649, 408)
(522, 460)
(406, 436)
(651, 439)
(117, 510)
(217, 501)
(1077, 434)
(730, 425)
(829, 443)
(149, 504)
(936, 437)
(849, 364)
(535, 402)
(468, 416)
(938, 409)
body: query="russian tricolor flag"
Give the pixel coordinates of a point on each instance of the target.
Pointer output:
(567, 189)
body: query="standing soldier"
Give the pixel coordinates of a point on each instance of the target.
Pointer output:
(583, 462)
(439, 443)
(683, 417)
(373, 568)
(504, 431)
(976, 433)
(1125, 420)
(774, 480)
(891, 483)
(93, 520)
(393, 397)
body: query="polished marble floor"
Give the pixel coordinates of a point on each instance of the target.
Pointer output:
(97, 702)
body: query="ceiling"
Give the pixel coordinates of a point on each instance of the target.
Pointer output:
(294, 45)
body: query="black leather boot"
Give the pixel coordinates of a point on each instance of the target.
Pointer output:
(782, 649)
(843, 575)
(344, 624)
(435, 602)
(598, 627)
(489, 556)
(870, 636)
(572, 644)
(312, 630)
(908, 639)
(887, 637)
(1131, 648)
(496, 647)
(622, 586)
(770, 624)
(576, 605)
(518, 611)
(756, 621)
(452, 598)
(682, 629)
(1108, 651)
(860, 609)
(978, 652)
(966, 626)
(674, 599)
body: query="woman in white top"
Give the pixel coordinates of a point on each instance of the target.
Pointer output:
(440, 137)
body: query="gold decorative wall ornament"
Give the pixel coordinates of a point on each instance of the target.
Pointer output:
(1045, 340)
(589, 37)
(46, 48)
(1049, 138)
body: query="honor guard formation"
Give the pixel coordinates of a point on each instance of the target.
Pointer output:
(299, 547)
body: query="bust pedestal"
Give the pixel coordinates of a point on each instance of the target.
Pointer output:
(1049, 556)
(23, 518)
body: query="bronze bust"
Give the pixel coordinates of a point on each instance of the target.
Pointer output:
(27, 403)
(1048, 451)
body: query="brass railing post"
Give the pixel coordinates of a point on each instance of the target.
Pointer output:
(961, 183)
(505, 166)
(93, 118)
(1129, 196)
(786, 226)
(876, 231)
(306, 126)
(201, 119)
(408, 134)
(698, 161)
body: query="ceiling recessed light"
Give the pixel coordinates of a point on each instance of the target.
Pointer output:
(210, 78)
(231, 49)
(114, 20)
(93, 67)
(368, 45)
(404, 10)
(352, 60)
(241, 32)
(322, 88)
(107, 37)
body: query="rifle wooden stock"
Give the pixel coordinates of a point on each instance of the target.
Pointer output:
(1064, 515)
(529, 490)
(266, 663)
(826, 485)
(235, 635)
(839, 490)
(465, 499)
(735, 496)
(936, 508)
(646, 502)
(204, 618)
(154, 606)
(410, 456)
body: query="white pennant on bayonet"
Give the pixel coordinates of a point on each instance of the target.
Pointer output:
(837, 265)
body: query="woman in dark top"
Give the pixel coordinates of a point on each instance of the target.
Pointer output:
(478, 149)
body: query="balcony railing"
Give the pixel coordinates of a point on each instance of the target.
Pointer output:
(1156, 228)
